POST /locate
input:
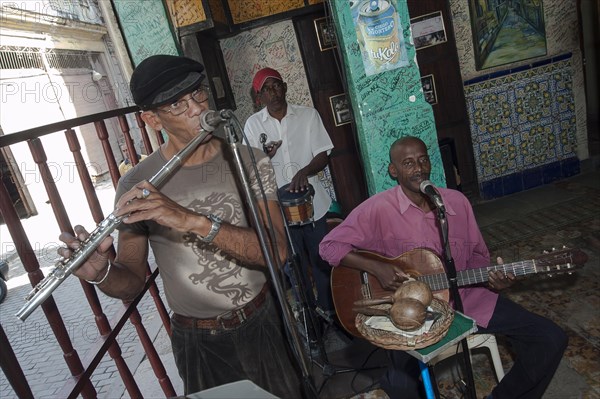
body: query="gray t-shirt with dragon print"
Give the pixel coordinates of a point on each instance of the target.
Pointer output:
(199, 280)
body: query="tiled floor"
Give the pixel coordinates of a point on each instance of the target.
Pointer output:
(519, 227)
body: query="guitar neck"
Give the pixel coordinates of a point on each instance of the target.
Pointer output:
(349, 284)
(475, 276)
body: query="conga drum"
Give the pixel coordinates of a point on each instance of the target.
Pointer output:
(297, 207)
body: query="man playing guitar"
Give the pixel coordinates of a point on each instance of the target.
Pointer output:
(401, 219)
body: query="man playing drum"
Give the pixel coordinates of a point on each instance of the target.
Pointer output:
(294, 137)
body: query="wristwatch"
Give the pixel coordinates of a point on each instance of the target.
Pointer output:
(214, 229)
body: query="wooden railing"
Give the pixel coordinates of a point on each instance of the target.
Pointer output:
(81, 370)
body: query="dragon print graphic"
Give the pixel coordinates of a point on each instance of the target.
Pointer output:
(217, 267)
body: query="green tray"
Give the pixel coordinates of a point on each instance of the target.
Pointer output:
(461, 327)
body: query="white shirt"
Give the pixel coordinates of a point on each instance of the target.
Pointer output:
(303, 137)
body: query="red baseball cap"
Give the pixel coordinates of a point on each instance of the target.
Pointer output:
(262, 75)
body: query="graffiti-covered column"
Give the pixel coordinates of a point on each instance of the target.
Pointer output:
(384, 84)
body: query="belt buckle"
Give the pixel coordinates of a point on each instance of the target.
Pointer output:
(239, 313)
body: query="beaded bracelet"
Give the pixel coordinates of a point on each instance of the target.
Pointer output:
(103, 278)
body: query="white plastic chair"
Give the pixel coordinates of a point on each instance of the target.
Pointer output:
(476, 341)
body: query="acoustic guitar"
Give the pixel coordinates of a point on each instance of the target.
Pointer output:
(349, 285)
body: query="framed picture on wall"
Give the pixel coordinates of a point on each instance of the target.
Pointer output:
(325, 33)
(522, 22)
(428, 83)
(340, 109)
(428, 30)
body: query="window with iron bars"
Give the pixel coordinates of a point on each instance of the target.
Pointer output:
(14, 57)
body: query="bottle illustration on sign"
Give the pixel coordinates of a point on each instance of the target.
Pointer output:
(380, 36)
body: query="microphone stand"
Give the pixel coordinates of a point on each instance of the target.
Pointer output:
(305, 300)
(272, 263)
(454, 295)
(314, 332)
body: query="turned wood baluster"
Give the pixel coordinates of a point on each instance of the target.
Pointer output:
(11, 367)
(128, 140)
(145, 138)
(155, 362)
(142, 125)
(8, 361)
(162, 310)
(101, 320)
(32, 266)
(113, 168)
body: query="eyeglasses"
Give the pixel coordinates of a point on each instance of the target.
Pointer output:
(182, 105)
(277, 85)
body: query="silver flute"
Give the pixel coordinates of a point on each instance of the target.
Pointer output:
(65, 267)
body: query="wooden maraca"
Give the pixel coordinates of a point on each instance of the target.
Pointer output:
(409, 305)
(415, 289)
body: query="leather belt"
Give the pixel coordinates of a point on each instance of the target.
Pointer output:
(227, 320)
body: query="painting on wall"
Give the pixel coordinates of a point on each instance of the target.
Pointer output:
(507, 32)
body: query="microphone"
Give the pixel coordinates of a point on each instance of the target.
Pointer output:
(210, 120)
(263, 141)
(429, 190)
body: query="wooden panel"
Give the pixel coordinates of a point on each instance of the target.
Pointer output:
(217, 11)
(324, 82)
(248, 10)
(186, 12)
(216, 72)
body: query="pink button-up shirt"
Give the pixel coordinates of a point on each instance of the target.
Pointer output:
(390, 224)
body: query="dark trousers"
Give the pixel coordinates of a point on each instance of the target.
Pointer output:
(306, 240)
(538, 342)
(257, 350)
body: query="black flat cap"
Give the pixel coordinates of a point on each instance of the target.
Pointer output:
(162, 79)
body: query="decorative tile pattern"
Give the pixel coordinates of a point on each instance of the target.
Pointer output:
(522, 120)
(560, 17)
